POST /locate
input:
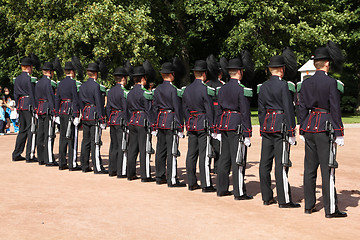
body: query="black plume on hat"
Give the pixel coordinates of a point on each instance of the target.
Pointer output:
(150, 72)
(78, 67)
(213, 68)
(248, 64)
(336, 55)
(180, 71)
(102, 68)
(290, 64)
(48, 66)
(200, 66)
(35, 60)
(130, 71)
(58, 69)
(224, 63)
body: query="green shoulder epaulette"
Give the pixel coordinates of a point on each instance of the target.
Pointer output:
(247, 91)
(33, 79)
(340, 86)
(180, 92)
(102, 88)
(78, 84)
(211, 91)
(53, 84)
(291, 86)
(126, 92)
(217, 90)
(14, 78)
(148, 94)
(107, 91)
(258, 88)
(298, 86)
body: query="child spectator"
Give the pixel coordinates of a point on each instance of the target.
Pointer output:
(13, 115)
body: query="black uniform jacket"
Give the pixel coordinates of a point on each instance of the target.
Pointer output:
(44, 96)
(139, 105)
(24, 92)
(198, 106)
(116, 108)
(167, 106)
(234, 108)
(91, 101)
(319, 100)
(275, 106)
(67, 97)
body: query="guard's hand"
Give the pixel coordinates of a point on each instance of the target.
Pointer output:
(36, 116)
(154, 133)
(218, 137)
(247, 142)
(213, 135)
(181, 134)
(102, 125)
(302, 138)
(57, 120)
(292, 140)
(53, 118)
(76, 121)
(340, 140)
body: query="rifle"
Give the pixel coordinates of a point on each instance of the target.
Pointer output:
(148, 147)
(285, 160)
(332, 156)
(209, 152)
(240, 154)
(124, 144)
(34, 121)
(51, 124)
(175, 143)
(70, 124)
(97, 130)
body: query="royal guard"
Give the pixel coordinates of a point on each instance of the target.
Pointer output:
(169, 125)
(68, 113)
(139, 104)
(277, 128)
(116, 110)
(234, 125)
(24, 95)
(321, 128)
(93, 118)
(199, 116)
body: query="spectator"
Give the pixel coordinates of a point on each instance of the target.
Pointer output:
(2, 118)
(14, 116)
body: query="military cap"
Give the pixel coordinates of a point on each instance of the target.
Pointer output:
(69, 66)
(119, 71)
(139, 71)
(26, 61)
(167, 67)
(321, 53)
(93, 67)
(235, 63)
(48, 66)
(200, 66)
(276, 61)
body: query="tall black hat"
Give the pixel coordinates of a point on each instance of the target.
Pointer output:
(120, 71)
(291, 67)
(235, 63)
(180, 71)
(102, 68)
(167, 67)
(321, 53)
(139, 71)
(224, 63)
(48, 66)
(276, 61)
(69, 66)
(149, 70)
(213, 68)
(93, 67)
(331, 52)
(26, 61)
(248, 65)
(200, 66)
(58, 68)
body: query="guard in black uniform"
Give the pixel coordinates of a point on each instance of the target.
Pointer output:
(214, 81)
(45, 99)
(93, 121)
(198, 107)
(275, 108)
(235, 112)
(319, 100)
(116, 111)
(139, 106)
(67, 110)
(24, 94)
(169, 118)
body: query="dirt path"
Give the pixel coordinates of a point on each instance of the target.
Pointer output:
(38, 202)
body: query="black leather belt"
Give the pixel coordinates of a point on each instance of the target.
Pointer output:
(90, 104)
(166, 110)
(274, 111)
(319, 110)
(230, 111)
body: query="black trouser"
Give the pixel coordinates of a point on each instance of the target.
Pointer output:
(317, 148)
(227, 161)
(116, 164)
(69, 145)
(216, 146)
(197, 148)
(137, 144)
(272, 146)
(87, 145)
(165, 158)
(23, 135)
(44, 141)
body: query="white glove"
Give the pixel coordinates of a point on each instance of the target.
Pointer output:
(76, 121)
(292, 140)
(339, 141)
(36, 116)
(102, 125)
(57, 120)
(218, 137)
(154, 133)
(181, 135)
(247, 142)
(53, 118)
(213, 135)
(17, 115)
(302, 138)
